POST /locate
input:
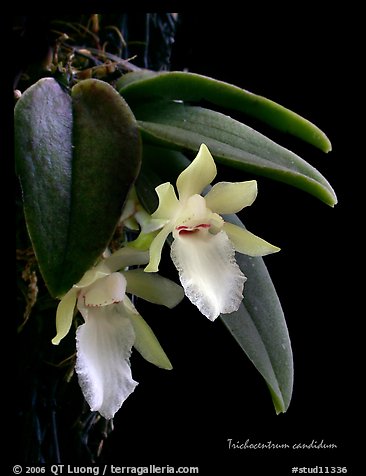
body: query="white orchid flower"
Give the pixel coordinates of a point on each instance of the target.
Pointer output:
(203, 250)
(112, 326)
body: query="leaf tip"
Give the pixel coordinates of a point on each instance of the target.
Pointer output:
(332, 200)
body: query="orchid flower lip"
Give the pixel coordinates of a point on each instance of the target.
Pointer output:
(186, 230)
(208, 272)
(104, 344)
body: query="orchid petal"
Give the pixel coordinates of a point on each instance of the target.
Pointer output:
(168, 201)
(153, 288)
(200, 173)
(247, 243)
(208, 272)
(108, 290)
(123, 258)
(103, 346)
(156, 249)
(64, 315)
(227, 197)
(146, 342)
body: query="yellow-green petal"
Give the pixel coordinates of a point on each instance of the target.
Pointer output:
(228, 197)
(197, 175)
(156, 248)
(64, 315)
(168, 201)
(122, 258)
(153, 288)
(146, 342)
(247, 243)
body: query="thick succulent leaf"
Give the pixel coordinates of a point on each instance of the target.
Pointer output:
(177, 85)
(43, 153)
(259, 325)
(76, 158)
(106, 161)
(177, 125)
(260, 329)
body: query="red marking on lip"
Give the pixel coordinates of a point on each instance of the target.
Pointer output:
(185, 230)
(188, 232)
(191, 228)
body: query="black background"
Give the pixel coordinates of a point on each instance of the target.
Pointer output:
(307, 61)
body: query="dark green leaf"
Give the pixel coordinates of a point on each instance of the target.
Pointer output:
(43, 152)
(260, 329)
(76, 159)
(106, 161)
(145, 85)
(177, 125)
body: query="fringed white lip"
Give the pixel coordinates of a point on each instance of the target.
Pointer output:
(208, 271)
(103, 347)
